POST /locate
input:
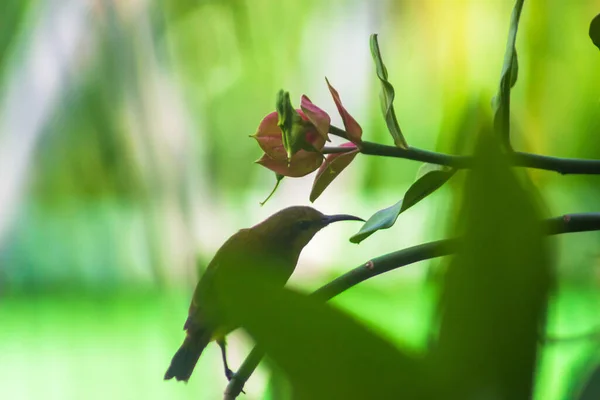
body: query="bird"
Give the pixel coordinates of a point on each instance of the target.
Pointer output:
(273, 245)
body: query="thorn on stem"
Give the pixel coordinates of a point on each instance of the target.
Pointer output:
(370, 265)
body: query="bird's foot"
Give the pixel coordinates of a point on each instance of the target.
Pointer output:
(229, 374)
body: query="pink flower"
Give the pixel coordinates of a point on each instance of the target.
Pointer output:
(313, 127)
(302, 162)
(297, 152)
(336, 163)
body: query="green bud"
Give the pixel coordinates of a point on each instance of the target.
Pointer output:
(292, 126)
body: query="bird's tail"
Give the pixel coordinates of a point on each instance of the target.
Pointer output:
(187, 356)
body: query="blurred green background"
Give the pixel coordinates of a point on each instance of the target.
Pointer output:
(124, 156)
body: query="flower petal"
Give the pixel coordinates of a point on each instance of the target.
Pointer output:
(352, 127)
(331, 168)
(268, 126)
(319, 118)
(312, 136)
(301, 164)
(269, 137)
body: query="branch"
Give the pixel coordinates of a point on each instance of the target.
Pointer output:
(569, 223)
(563, 166)
(412, 153)
(237, 382)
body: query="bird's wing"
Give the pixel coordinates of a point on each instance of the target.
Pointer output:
(228, 258)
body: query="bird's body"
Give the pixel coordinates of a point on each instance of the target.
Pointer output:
(273, 246)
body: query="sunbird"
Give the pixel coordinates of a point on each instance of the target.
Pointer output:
(274, 246)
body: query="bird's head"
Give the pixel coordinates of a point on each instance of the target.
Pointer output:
(293, 227)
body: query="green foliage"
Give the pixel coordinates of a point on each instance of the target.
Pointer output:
(508, 78)
(595, 31)
(211, 66)
(494, 296)
(324, 353)
(12, 17)
(429, 178)
(386, 96)
(85, 153)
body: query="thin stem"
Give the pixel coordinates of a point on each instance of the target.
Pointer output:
(278, 177)
(334, 130)
(337, 150)
(561, 165)
(569, 223)
(412, 153)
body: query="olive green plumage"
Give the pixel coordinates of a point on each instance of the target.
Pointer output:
(274, 246)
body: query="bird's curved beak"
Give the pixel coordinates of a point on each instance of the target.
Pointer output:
(328, 219)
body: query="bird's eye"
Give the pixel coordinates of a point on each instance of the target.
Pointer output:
(303, 225)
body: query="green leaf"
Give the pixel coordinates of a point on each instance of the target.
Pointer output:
(324, 352)
(429, 178)
(508, 78)
(493, 301)
(595, 31)
(386, 96)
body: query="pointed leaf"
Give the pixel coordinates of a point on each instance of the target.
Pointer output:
(352, 127)
(382, 219)
(493, 302)
(269, 137)
(429, 178)
(319, 118)
(387, 96)
(301, 164)
(508, 78)
(334, 164)
(595, 31)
